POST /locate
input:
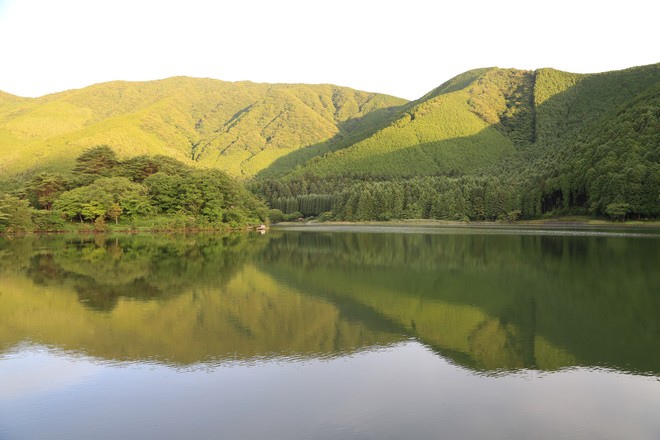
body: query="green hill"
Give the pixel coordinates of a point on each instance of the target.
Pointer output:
(473, 121)
(490, 143)
(597, 141)
(238, 127)
(535, 141)
(485, 116)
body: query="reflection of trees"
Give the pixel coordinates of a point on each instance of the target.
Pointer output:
(102, 269)
(486, 302)
(200, 299)
(492, 301)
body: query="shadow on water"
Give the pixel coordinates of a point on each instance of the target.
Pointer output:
(492, 303)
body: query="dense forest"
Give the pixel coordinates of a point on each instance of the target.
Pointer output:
(157, 192)
(497, 144)
(490, 144)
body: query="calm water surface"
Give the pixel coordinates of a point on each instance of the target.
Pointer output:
(332, 333)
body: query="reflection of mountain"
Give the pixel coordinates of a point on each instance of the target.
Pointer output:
(489, 302)
(182, 300)
(492, 301)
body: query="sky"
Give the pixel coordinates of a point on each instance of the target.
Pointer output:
(403, 48)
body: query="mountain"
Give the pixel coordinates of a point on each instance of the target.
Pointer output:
(490, 143)
(7, 98)
(493, 142)
(487, 117)
(239, 127)
(447, 131)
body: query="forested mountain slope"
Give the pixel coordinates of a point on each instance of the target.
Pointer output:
(237, 127)
(458, 128)
(597, 141)
(490, 143)
(484, 115)
(528, 141)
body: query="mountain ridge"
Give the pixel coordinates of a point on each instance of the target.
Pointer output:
(495, 143)
(490, 142)
(530, 117)
(178, 116)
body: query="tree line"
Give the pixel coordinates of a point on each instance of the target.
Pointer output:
(611, 170)
(441, 197)
(101, 188)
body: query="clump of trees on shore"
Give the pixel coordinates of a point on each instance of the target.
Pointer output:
(101, 189)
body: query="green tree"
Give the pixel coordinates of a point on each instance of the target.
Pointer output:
(44, 189)
(97, 161)
(95, 200)
(15, 214)
(618, 211)
(275, 215)
(208, 194)
(365, 206)
(93, 209)
(164, 191)
(139, 168)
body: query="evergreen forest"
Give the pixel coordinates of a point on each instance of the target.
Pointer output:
(490, 144)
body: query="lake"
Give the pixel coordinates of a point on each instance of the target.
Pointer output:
(332, 332)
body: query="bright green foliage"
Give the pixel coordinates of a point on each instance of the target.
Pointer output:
(47, 221)
(15, 214)
(140, 167)
(209, 194)
(167, 192)
(511, 143)
(99, 199)
(238, 127)
(170, 188)
(491, 143)
(504, 99)
(275, 215)
(164, 190)
(98, 160)
(440, 135)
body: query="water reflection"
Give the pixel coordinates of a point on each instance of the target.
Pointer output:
(177, 300)
(493, 302)
(490, 302)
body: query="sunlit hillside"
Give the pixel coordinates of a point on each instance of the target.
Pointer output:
(238, 127)
(491, 143)
(452, 130)
(530, 141)
(485, 117)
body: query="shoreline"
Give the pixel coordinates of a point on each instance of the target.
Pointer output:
(554, 228)
(549, 223)
(543, 224)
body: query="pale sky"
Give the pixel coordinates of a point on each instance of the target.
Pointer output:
(404, 48)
